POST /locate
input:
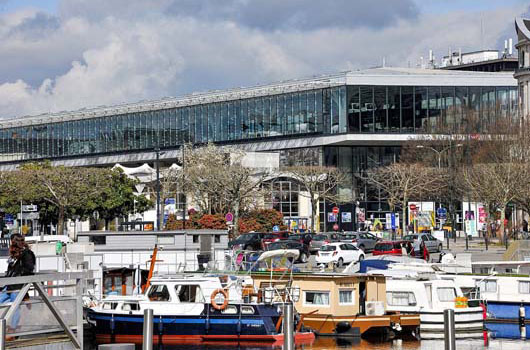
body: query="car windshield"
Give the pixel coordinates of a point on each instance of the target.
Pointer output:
(295, 237)
(328, 248)
(410, 237)
(246, 237)
(271, 236)
(277, 245)
(320, 238)
(383, 246)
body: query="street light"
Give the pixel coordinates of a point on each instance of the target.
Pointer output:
(439, 155)
(157, 165)
(439, 152)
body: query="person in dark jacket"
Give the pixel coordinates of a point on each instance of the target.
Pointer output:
(21, 262)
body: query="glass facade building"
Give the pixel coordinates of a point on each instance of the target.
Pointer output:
(336, 110)
(353, 120)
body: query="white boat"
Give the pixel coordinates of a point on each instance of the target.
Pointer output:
(419, 291)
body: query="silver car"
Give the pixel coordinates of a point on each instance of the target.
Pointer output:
(320, 239)
(362, 240)
(433, 245)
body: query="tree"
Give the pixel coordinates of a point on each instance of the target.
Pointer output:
(117, 197)
(402, 182)
(170, 181)
(220, 181)
(203, 168)
(497, 172)
(320, 183)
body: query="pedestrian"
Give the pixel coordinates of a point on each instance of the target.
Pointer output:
(21, 262)
(424, 251)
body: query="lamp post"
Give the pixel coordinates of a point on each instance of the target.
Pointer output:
(157, 166)
(439, 155)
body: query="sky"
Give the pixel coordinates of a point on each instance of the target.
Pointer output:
(60, 55)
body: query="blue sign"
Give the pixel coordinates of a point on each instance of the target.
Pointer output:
(393, 220)
(442, 212)
(9, 220)
(275, 228)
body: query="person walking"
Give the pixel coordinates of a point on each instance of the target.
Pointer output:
(21, 262)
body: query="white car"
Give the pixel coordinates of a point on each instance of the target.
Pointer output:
(339, 253)
(432, 244)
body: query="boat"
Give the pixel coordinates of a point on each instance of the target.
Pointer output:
(416, 288)
(192, 309)
(342, 305)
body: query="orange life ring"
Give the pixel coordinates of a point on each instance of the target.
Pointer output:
(214, 303)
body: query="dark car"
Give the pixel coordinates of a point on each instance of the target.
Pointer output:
(247, 241)
(271, 237)
(393, 248)
(290, 244)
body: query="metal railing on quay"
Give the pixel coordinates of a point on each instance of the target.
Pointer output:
(42, 305)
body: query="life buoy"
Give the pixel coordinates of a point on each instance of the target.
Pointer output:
(214, 303)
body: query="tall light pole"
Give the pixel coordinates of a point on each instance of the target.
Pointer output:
(439, 155)
(157, 166)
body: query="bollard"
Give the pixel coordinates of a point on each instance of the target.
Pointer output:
(3, 333)
(449, 329)
(288, 326)
(148, 330)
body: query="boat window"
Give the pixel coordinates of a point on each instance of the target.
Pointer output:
(487, 286)
(346, 297)
(109, 306)
(247, 310)
(230, 310)
(130, 307)
(189, 293)
(524, 287)
(158, 292)
(446, 293)
(316, 298)
(400, 298)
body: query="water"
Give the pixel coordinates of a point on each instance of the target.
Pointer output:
(329, 343)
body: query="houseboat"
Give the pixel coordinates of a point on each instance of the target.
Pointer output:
(342, 305)
(191, 309)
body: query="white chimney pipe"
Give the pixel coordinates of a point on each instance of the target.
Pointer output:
(510, 46)
(430, 55)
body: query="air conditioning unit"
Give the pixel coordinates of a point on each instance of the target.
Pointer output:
(374, 308)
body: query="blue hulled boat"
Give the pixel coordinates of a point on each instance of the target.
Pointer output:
(192, 309)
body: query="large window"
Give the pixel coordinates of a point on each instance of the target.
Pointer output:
(285, 197)
(446, 294)
(189, 293)
(524, 287)
(487, 286)
(346, 297)
(316, 298)
(400, 298)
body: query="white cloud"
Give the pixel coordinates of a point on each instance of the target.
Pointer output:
(73, 60)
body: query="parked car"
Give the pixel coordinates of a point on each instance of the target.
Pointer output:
(432, 244)
(339, 253)
(362, 240)
(271, 237)
(247, 241)
(303, 250)
(392, 248)
(256, 240)
(321, 239)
